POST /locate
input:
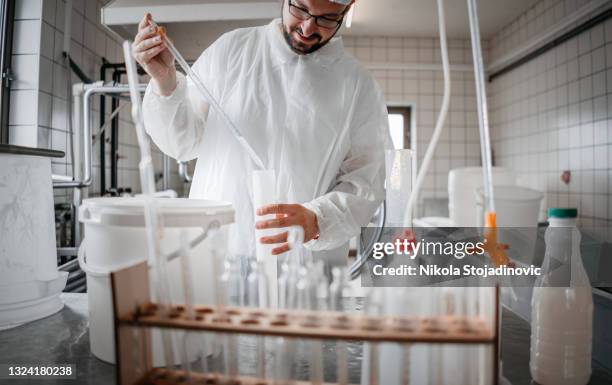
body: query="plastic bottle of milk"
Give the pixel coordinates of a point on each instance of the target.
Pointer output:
(562, 308)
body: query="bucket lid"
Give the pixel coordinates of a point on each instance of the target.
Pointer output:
(511, 193)
(556, 212)
(175, 212)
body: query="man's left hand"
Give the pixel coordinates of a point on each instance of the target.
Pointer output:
(286, 215)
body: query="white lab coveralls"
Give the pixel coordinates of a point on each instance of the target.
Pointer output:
(318, 120)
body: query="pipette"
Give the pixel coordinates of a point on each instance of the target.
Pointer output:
(207, 94)
(154, 227)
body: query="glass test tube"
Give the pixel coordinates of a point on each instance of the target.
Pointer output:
(257, 294)
(373, 307)
(287, 299)
(233, 288)
(188, 297)
(336, 289)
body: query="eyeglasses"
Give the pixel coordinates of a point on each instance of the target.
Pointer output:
(328, 22)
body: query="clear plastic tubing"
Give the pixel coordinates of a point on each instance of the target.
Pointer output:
(154, 227)
(439, 123)
(208, 96)
(481, 98)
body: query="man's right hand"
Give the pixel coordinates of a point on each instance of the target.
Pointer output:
(151, 53)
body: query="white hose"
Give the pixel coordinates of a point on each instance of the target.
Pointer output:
(439, 124)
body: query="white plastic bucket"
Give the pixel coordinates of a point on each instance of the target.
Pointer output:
(517, 207)
(462, 182)
(115, 238)
(30, 284)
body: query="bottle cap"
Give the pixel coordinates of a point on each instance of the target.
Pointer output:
(555, 212)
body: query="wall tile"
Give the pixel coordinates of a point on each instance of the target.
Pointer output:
(59, 81)
(59, 140)
(23, 107)
(46, 75)
(90, 35)
(91, 11)
(584, 64)
(48, 11)
(59, 115)
(77, 26)
(47, 41)
(571, 109)
(25, 69)
(597, 36)
(60, 15)
(45, 106)
(58, 47)
(43, 138)
(23, 135)
(28, 9)
(26, 37)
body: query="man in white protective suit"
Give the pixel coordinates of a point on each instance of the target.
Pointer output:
(309, 111)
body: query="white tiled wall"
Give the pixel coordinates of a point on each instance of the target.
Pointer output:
(39, 101)
(422, 89)
(555, 113)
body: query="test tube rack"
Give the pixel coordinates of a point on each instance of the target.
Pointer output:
(135, 315)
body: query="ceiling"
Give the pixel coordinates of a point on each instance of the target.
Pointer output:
(196, 23)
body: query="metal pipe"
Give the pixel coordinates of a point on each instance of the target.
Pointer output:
(87, 137)
(103, 69)
(183, 171)
(6, 75)
(114, 153)
(102, 151)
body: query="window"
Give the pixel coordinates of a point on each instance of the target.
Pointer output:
(399, 126)
(7, 8)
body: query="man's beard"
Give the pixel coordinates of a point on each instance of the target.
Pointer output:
(299, 47)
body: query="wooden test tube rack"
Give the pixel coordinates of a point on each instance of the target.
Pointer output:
(133, 309)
